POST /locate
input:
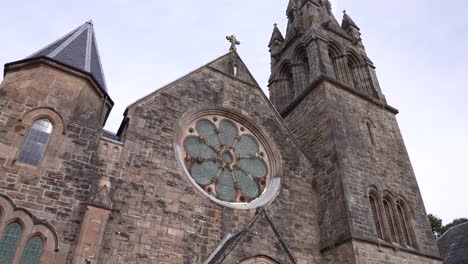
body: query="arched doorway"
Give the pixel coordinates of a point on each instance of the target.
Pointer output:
(259, 260)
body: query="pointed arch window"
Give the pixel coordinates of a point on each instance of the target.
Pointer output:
(306, 66)
(9, 243)
(371, 132)
(404, 224)
(235, 70)
(33, 250)
(390, 216)
(36, 142)
(332, 60)
(376, 215)
(290, 84)
(333, 55)
(353, 72)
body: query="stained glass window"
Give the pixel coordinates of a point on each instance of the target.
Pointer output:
(36, 142)
(33, 250)
(225, 159)
(10, 239)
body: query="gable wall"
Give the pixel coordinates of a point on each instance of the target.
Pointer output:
(166, 219)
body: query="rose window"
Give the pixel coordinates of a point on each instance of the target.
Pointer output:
(225, 159)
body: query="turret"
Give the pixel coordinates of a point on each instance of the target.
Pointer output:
(315, 47)
(325, 87)
(74, 56)
(275, 44)
(350, 27)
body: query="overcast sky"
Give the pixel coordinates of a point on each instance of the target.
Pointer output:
(418, 46)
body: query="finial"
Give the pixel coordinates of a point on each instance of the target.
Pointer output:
(275, 24)
(344, 11)
(234, 42)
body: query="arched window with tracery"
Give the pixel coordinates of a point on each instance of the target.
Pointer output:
(290, 83)
(9, 243)
(32, 251)
(333, 55)
(404, 224)
(390, 217)
(353, 72)
(36, 142)
(306, 66)
(374, 202)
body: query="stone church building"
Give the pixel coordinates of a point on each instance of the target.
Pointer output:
(208, 169)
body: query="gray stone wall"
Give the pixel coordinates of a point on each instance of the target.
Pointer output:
(385, 165)
(164, 218)
(57, 190)
(331, 125)
(372, 254)
(312, 124)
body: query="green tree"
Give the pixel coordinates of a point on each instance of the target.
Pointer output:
(436, 225)
(439, 229)
(455, 222)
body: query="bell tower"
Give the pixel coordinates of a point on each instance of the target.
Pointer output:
(324, 85)
(317, 46)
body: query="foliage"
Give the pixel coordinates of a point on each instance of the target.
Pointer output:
(436, 225)
(455, 222)
(439, 229)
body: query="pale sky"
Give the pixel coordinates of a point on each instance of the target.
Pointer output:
(418, 47)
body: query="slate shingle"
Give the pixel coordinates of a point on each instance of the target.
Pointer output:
(77, 49)
(453, 245)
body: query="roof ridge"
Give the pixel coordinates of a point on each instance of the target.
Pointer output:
(450, 229)
(77, 49)
(66, 43)
(51, 44)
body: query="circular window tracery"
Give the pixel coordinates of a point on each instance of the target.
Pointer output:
(225, 159)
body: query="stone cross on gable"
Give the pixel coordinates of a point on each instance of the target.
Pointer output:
(234, 42)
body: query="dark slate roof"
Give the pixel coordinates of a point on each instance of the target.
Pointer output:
(453, 245)
(110, 135)
(78, 50)
(276, 35)
(225, 247)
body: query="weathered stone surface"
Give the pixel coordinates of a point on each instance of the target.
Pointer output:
(166, 218)
(48, 191)
(101, 197)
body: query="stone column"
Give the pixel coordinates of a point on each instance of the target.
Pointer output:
(93, 226)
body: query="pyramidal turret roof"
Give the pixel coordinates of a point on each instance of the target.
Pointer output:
(347, 21)
(276, 35)
(77, 49)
